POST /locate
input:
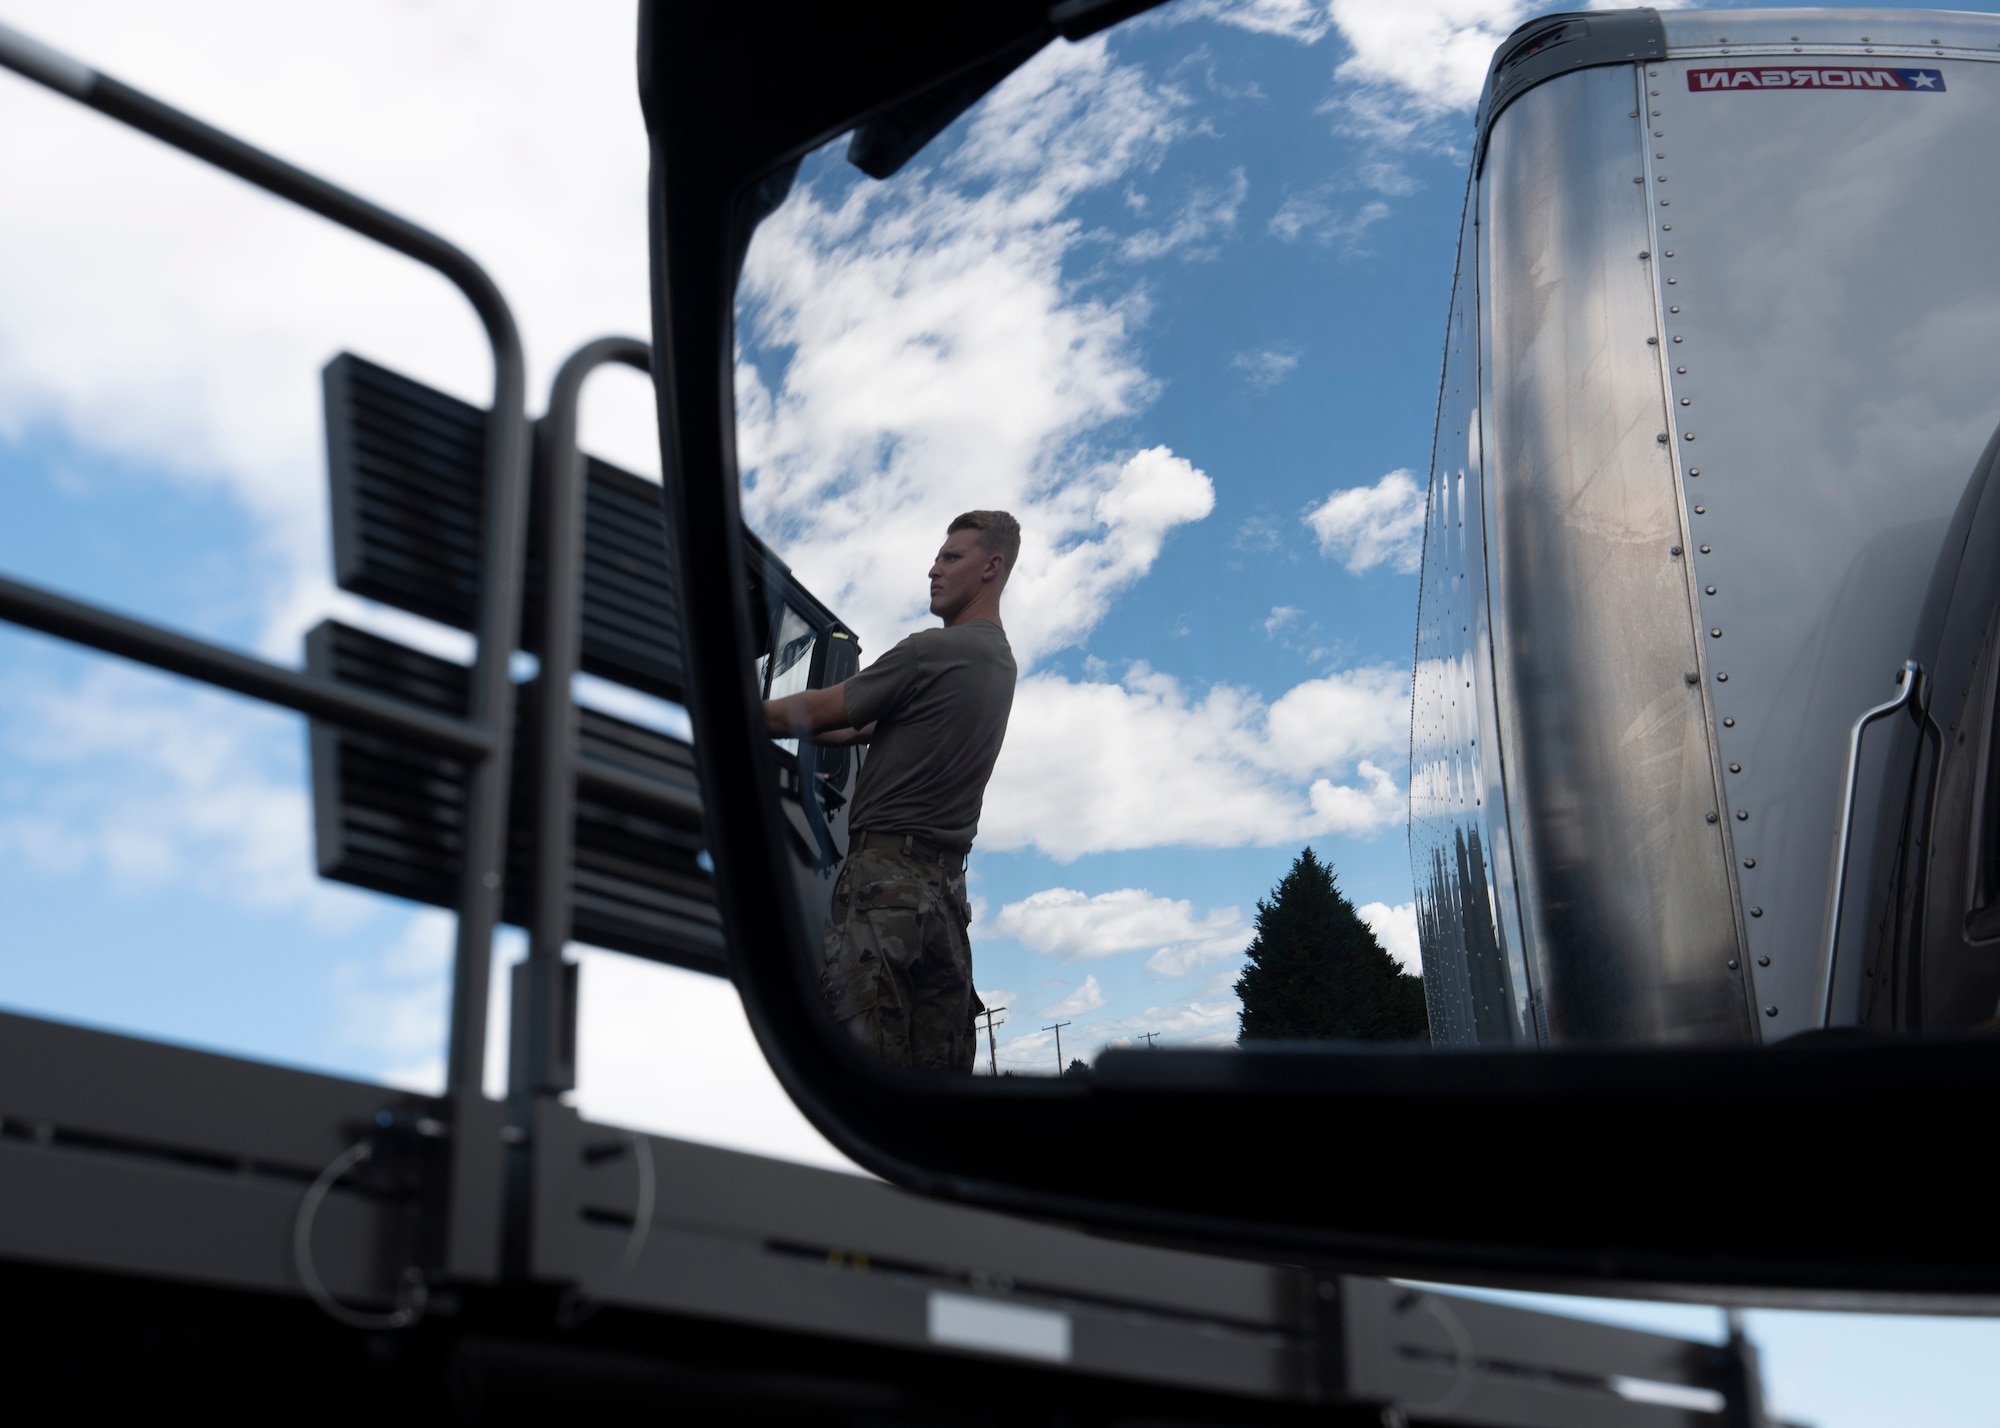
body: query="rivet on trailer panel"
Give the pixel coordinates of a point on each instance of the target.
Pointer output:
(1743, 816)
(1715, 633)
(1694, 471)
(1687, 401)
(1749, 862)
(1687, 436)
(1653, 342)
(1691, 677)
(1711, 589)
(1674, 550)
(1770, 1011)
(1764, 961)
(1677, 339)
(1704, 550)
(1729, 723)
(1722, 679)
(1662, 437)
(1711, 817)
(1733, 964)
(1738, 768)
(1701, 510)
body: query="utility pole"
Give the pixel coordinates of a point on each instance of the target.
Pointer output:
(992, 1056)
(1057, 1029)
(1147, 1037)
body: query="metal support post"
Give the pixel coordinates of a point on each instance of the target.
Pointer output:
(550, 1060)
(471, 1247)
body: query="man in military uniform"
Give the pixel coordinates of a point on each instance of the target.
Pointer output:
(933, 710)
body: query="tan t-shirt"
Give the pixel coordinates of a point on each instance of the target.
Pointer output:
(939, 702)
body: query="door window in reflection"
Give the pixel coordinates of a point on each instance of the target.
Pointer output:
(787, 668)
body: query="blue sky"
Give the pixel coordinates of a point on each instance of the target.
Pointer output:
(1271, 339)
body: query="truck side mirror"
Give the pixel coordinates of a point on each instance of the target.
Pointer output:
(1599, 1158)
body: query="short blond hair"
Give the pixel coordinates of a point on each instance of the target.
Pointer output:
(999, 534)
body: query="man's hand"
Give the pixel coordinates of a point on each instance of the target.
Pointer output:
(816, 714)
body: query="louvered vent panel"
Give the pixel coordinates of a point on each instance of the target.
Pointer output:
(406, 467)
(390, 816)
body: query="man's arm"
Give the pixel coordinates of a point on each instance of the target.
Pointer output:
(816, 714)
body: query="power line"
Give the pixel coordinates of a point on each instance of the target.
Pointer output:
(1145, 1036)
(1057, 1029)
(993, 1056)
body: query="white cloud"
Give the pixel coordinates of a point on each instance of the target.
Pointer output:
(994, 998)
(1210, 1020)
(154, 784)
(1304, 20)
(1282, 617)
(1396, 929)
(171, 316)
(1313, 216)
(1187, 957)
(1210, 213)
(1094, 766)
(1432, 54)
(1086, 998)
(1074, 926)
(1367, 526)
(1388, 178)
(1265, 369)
(939, 360)
(670, 1051)
(1208, 1017)
(396, 1007)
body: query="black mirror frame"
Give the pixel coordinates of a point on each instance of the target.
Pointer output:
(1832, 1169)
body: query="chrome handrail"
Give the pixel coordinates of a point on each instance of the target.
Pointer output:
(1911, 679)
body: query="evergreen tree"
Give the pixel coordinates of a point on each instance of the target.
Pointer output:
(1316, 972)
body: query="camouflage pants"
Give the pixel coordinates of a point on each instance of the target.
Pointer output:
(898, 970)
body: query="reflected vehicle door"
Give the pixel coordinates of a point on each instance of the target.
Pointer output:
(805, 647)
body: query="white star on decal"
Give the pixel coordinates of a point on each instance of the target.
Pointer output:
(1923, 81)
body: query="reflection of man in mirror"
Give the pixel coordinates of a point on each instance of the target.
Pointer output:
(933, 710)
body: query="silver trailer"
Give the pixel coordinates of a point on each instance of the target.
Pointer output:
(1721, 361)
